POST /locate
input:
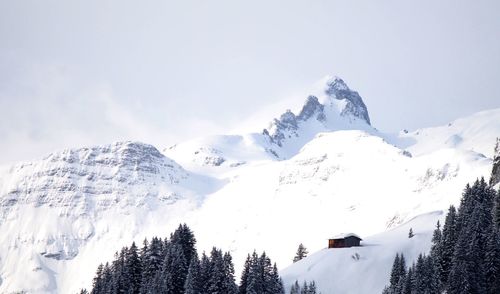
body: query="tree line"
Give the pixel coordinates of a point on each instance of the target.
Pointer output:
(465, 252)
(172, 266)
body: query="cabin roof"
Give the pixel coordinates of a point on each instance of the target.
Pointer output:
(345, 235)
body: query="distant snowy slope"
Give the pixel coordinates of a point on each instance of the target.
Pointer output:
(365, 269)
(476, 133)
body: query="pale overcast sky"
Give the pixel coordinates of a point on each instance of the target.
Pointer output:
(76, 73)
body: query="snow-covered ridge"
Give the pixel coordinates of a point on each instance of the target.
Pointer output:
(92, 178)
(476, 132)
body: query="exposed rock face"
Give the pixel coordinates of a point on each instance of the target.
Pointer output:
(337, 89)
(77, 178)
(495, 171)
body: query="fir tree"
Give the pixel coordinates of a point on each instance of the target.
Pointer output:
(205, 272)
(461, 279)
(437, 254)
(496, 211)
(410, 233)
(255, 276)
(229, 285)
(448, 241)
(244, 276)
(407, 283)
(134, 270)
(184, 237)
(295, 289)
(98, 283)
(174, 268)
(151, 262)
(107, 279)
(305, 288)
(275, 283)
(301, 253)
(395, 272)
(492, 262)
(495, 170)
(193, 284)
(312, 288)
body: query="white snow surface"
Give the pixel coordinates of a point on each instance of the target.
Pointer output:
(63, 215)
(363, 269)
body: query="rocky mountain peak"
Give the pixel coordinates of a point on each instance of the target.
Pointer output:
(338, 102)
(337, 89)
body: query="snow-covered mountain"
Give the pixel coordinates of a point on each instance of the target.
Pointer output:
(310, 174)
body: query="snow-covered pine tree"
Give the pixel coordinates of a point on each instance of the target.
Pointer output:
(262, 276)
(255, 276)
(305, 288)
(492, 262)
(449, 239)
(216, 280)
(312, 288)
(133, 269)
(398, 274)
(119, 274)
(408, 282)
(495, 170)
(159, 284)
(244, 276)
(174, 268)
(410, 233)
(301, 253)
(151, 261)
(437, 254)
(395, 273)
(461, 279)
(205, 271)
(184, 237)
(193, 284)
(419, 275)
(295, 289)
(430, 276)
(229, 284)
(275, 282)
(98, 283)
(107, 277)
(496, 211)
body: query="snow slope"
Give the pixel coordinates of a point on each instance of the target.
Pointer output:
(311, 174)
(476, 132)
(363, 269)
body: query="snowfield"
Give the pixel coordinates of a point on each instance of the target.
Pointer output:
(364, 269)
(311, 174)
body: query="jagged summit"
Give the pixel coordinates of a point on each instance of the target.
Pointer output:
(336, 88)
(335, 107)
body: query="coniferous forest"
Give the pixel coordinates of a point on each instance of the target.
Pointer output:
(465, 252)
(172, 266)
